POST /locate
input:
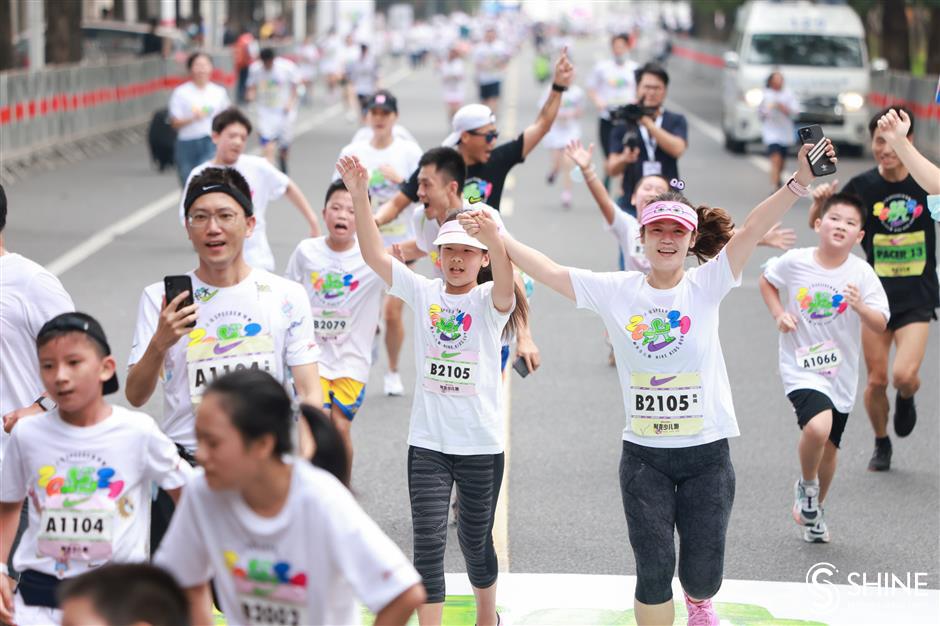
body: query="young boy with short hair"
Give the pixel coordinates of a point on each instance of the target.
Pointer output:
(830, 294)
(87, 468)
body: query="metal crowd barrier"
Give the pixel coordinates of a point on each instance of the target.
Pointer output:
(62, 104)
(704, 58)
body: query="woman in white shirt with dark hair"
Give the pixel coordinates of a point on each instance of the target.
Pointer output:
(192, 107)
(777, 110)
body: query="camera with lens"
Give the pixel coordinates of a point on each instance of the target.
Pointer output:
(629, 116)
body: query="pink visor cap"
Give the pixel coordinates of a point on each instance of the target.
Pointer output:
(669, 210)
(453, 233)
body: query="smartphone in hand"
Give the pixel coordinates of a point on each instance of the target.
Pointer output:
(174, 286)
(819, 162)
(521, 367)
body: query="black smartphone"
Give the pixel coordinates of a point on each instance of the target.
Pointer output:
(174, 286)
(521, 367)
(819, 163)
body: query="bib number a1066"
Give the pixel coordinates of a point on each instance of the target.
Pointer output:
(823, 358)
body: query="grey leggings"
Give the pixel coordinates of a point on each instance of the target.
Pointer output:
(431, 476)
(686, 489)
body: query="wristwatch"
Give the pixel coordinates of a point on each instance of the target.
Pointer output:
(559, 88)
(45, 403)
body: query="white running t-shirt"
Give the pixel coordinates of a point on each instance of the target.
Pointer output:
(822, 353)
(306, 565)
(261, 323)
(187, 99)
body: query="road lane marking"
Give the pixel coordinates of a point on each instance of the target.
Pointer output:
(170, 200)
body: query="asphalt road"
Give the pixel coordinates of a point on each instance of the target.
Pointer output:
(564, 508)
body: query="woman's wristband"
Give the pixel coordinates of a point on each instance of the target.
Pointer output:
(798, 189)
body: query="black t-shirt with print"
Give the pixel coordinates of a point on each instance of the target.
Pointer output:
(900, 240)
(484, 180)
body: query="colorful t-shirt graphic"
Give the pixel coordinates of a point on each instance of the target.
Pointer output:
(820, 303)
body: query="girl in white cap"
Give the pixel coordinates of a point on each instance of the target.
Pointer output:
(456, 432)
(675, 468)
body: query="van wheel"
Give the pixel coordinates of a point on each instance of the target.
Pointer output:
(733, 145)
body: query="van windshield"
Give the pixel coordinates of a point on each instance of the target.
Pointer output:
(800, 49)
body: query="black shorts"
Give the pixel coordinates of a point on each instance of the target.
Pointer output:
(808, 403)
(776, 148)
(489, 90)
(911, 316)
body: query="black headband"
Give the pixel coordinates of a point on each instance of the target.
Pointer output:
(81, 323)
(196, 191)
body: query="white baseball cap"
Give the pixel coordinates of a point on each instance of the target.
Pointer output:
(453, 233)
(468, 117)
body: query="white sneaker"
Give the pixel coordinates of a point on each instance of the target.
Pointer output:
(393, 384)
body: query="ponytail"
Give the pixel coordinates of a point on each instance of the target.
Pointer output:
(330, 453)
(714, 229)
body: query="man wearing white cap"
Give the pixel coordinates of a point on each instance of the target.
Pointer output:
(474, 136)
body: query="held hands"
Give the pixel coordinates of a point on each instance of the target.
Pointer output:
(173, 324)
(564, 70)
(480, 225)
(579, 154)
(786, 322)
(895, 127)
(354, 175)
(804, 175)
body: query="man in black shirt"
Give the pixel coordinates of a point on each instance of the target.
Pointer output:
(475, 136)
(900, 242)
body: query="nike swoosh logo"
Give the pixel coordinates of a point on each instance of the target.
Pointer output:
(209, 187)
(70, 503)
(447, 355)
(816, 347)
(656, 382)
(220, 349)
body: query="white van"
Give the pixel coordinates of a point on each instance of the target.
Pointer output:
(821, 52)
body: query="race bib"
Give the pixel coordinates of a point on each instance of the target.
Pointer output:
(331, 324)
(666, 405)
(394, 229)
(901, 254)
(823, 358)
(269, 611)
(269, 93)
(451, 373)
(652, 168)
(77, 528)
(207, 361)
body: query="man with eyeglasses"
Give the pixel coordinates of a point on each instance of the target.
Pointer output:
(230, 131)
(242, 318)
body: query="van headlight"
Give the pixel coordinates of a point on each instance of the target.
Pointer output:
(852, 101)
(754, 97)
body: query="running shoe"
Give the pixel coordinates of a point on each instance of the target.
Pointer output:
(550, 179)
(805, 504)
(393, 384)
(701, 613)
(566, 199)
(816, 533)
(905, 415)
(881, 457)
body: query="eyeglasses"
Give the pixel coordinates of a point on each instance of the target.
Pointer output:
(490, 135)
(200, 219)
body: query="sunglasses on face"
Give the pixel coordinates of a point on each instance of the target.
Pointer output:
(490, 135)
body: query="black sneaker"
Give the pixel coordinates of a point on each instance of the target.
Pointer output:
(905, 415)
(881, 458)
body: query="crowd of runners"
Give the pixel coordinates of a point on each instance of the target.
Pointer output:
(237, 499)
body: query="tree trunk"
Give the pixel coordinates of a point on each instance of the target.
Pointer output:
(63, 32)
(6, 36)
(117, 10)
(933, 41)
(895, 35)
(143, 13)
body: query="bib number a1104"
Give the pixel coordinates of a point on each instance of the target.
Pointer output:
(68, 532)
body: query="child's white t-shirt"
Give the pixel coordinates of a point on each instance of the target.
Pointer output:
(346, 301)
(626, 229)
(457, 341)
(89, 488)
(263, 322)
(672, 372)
(822, 353)
(306, 565)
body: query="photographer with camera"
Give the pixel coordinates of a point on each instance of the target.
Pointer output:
(646, 139)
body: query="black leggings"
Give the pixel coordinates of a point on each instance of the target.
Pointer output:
(686, 489)
(431, 476)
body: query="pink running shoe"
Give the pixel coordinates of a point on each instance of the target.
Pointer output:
(702, 613)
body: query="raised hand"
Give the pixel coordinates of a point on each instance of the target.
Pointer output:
(804, 175)
(579, 154)
(354, 174)
(564, 70)
(895, 127)
(781, 238)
